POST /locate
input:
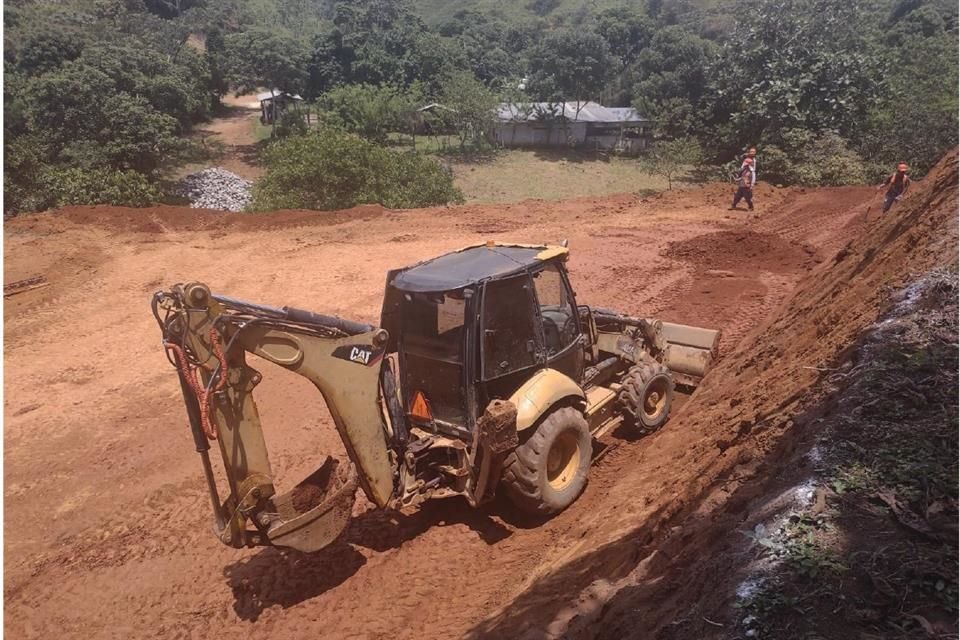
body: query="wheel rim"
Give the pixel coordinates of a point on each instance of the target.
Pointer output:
(563, 461)
(655, 398)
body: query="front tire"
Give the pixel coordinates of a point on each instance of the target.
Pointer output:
(547, 473)
(645, 396)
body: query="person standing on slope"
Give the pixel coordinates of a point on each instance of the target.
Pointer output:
(752, 154)
(896, 185)
(745, 181)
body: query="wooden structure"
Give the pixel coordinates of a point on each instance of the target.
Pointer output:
(274, 103)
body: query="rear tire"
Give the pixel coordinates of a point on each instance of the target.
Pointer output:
(547, 473)
(646, 396)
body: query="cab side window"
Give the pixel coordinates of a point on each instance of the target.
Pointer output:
(556, 309)
(509, 340)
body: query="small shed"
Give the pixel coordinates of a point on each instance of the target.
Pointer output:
(274, 103)
(584, 124)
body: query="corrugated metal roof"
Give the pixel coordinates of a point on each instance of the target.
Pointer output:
(589, 112)
(276, 92)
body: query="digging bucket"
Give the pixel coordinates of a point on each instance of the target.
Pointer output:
(314, 513)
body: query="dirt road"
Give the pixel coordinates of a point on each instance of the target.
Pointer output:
(230, 139)
(107, 531)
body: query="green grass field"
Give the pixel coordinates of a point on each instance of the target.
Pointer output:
(510, 176)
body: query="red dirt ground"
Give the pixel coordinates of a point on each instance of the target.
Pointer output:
(107, 524)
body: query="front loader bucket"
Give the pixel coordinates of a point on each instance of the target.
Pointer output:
(316, 511)
(690, 351)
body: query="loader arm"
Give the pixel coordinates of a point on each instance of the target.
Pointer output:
(207, 338)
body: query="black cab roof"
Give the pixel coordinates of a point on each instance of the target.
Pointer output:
(470, 265)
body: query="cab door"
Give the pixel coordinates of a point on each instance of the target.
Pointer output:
(510, 341)
(560, 321)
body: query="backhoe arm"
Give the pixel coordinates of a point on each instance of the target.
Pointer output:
(207, 337)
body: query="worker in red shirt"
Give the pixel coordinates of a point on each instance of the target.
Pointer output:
(896, 185)
(745, 180)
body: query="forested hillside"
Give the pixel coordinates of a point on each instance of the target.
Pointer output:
(100, 93)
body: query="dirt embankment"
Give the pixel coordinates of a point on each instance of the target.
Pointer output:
(651, 551)
(97, 448)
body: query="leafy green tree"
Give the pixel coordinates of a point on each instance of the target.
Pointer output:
(218, 64)
(369, 111)
(268, 58)
(672, 158)
(570, 65)
(794, 64)
(809, 159)
(471, 106)
(47, 49)
(330, 169)
(626, 30)
(95, 89)
(374, 42)
(671, 79)
(915, 119)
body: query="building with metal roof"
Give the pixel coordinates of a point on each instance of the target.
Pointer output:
(572, 124)
(274, 103)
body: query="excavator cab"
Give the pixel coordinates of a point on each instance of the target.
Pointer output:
(474, 325)
(484, 373)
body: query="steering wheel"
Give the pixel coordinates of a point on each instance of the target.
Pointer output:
(568, 331)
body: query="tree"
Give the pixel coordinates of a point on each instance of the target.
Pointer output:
(570, 66)
(915, 118)
(47, 49)
(330, 169)
(672, 158)
(627, 32)
(265, 58)
(670, 79)
(97, 96)
(812, 160)
(375, 42)
(472, 106)
(369, 111)
(794, 64)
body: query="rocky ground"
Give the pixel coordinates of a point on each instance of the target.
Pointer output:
(216, 188)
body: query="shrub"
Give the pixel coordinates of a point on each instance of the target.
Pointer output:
(672, 158)
(802, 158)
(75, 186)
(331, 169)
(291, 123)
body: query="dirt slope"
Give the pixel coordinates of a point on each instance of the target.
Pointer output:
(656, 554)
(106, 523)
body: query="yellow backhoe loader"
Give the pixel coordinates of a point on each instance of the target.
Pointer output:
(483, 374)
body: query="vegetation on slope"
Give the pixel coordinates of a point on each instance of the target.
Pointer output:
(112, 85)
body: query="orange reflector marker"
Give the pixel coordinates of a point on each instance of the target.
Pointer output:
(419, 408)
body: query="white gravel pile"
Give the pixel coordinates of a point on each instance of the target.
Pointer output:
(216, 188)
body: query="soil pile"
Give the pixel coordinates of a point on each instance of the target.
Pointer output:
(732, 248)
(649, 536)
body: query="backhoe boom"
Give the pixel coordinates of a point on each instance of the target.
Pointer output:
(208, 338)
